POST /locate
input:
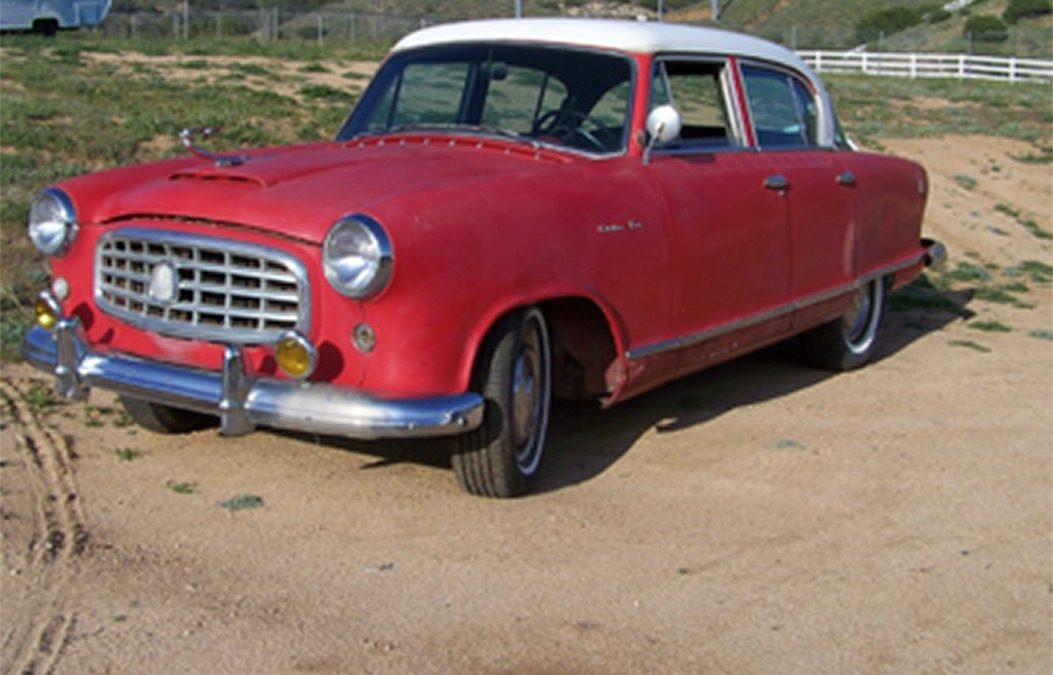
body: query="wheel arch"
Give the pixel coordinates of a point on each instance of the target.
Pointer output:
(586, 338)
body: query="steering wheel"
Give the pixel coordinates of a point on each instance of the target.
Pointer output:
(561, 124)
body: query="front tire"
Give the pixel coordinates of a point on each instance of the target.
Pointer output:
(163, 419)
(513, 372)
(849, 341)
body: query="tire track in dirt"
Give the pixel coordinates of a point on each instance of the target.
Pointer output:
(60, 537)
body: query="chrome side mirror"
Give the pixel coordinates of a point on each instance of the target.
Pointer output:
(663, 126)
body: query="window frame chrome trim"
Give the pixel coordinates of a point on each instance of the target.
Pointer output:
(732, 109)
(196, 332)
(819, 94)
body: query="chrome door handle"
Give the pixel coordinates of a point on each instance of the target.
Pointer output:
(776, 182)
(847, 178)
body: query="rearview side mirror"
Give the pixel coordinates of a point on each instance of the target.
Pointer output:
(663, 126)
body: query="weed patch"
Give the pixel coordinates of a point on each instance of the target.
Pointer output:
(242, 502)
(1027, 223)
(127, 454)
(187, 488)
(965, 182)
(969, 344)
(991, 326)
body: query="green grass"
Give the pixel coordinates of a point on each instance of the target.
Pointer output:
(242, 502)
(970, 344)
(1042, 334)
(181, 488)
(1028, 224)
(39, 398)
(991, 327)
(965, 182)
(926, 295)
(871, 108)
(127, 454)
(65, 115)
(1035, 270)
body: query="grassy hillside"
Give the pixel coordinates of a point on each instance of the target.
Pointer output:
(1031, 37)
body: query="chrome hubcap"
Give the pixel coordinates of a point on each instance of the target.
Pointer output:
(860, 322)
(530, 394)
(524, 398)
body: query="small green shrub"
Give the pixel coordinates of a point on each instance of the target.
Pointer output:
(986, 28)
(888, 21)
(1018, 9)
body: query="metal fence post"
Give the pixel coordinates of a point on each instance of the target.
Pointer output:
(186, 19)
(351, 27)
(321, 29)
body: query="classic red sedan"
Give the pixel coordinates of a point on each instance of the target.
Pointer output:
(514, 210)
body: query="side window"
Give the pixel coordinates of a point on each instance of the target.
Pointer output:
(782, 108)
(695, 89)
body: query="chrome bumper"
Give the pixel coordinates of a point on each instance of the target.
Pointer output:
(240, 400)
(935, 252)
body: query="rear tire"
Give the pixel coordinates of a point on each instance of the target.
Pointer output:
(513, 372)
(163, 419)
(849, 342)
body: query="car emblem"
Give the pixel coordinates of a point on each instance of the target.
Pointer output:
(163, 283)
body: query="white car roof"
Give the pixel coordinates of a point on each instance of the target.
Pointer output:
(646, 37)
(630, 36)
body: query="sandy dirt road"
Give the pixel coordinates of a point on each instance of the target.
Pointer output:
(758, 517)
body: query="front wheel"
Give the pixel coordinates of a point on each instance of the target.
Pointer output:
(849, 342)
(514, 375)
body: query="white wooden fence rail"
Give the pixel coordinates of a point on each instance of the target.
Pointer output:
(961, 66)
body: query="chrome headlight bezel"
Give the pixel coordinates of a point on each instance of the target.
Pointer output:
(52, 222)
(357, 257)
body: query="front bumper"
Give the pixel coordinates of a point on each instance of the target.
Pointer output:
(243, 401)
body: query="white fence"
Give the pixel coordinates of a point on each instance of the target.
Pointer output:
(962, 66)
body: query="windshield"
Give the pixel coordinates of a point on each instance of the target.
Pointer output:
(566, 97)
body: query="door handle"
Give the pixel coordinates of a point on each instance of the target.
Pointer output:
(777, 182)
(847, 178)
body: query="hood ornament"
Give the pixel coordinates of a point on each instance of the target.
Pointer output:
(186, 137)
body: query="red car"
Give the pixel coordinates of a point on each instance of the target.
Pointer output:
(514, 210)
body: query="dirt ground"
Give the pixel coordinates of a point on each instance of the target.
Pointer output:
(758, 517)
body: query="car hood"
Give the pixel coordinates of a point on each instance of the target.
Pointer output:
(300, 191)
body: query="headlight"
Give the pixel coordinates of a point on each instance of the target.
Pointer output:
(357, 257)
(52, 222)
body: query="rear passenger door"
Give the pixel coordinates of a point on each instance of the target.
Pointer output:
(816, 187)
(729, 240)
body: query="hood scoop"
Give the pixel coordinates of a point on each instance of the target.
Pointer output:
(210, 175)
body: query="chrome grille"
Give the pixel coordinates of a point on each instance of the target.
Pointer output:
(200, 287)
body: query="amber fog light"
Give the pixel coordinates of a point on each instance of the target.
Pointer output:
(47, 311)
(296, 356)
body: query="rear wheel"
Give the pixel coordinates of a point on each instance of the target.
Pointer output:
(165, 419)
(513, 373)
(849, 341)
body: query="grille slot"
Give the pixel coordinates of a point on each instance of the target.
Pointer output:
(213, 289)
